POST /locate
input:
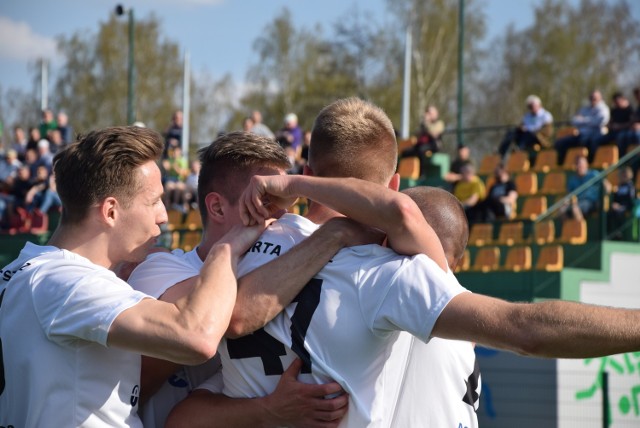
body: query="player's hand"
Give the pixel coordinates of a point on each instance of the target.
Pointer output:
(352, 233)
(241, 238)
(299, 404)
(264, 197)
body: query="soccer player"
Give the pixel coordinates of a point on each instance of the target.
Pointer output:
(227, 165)
(345, 324)
(71, 332)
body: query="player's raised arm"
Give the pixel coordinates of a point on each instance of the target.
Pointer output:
(369, 203)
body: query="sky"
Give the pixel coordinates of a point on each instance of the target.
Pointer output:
(218, 34)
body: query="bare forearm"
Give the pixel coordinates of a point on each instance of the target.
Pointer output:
(376, 206)
(562, 329)
(264, 292)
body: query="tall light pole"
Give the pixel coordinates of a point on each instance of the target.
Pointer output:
(460, 70)
(131, 75)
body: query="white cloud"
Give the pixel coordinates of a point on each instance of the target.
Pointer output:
(19, 42)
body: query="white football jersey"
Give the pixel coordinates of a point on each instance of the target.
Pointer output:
(345, 324)
(441, 386)
(56, 309)
(154, 276)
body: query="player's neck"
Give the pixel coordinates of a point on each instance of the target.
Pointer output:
(319, 214)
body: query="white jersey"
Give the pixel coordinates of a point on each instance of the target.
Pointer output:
(56, 309)
(154, 276)
(345, 324)
(441, 386)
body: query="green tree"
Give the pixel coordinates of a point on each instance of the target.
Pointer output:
(567, 52)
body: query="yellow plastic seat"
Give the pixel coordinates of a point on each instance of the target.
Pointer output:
(518, 259)
(546, 160)
(526, 183)
(481, 234)
(605, 156)
(465, 263)
(487, 259)
(489, 163)
(532, 207)
(409, 168)
(570, 157)
(554, 183)
(544, 232)
(510, 233)
(518, 162)
(573, 231)
(551, 258)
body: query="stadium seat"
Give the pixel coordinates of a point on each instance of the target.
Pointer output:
(570, 157)
(481, 234)
(193, 220)
(406, 143)
(566, 131)
(174, 221)
(554, 183)
(544, 232)
(39, 222)
(532, 207)
(409, 168)
(551, 258)
(465, 263)
(518, 259)
(190, 239)
(573, 231)
(518, 162)
(489, 163)
(510, 233)
(487, 259)
(605, 157)
(526, 183)
(546, 160)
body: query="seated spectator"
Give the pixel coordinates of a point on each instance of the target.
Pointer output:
(8, 169)
(21, 185)
(19, 142)
(534, 130)
(42, 195)
(247, 124)
(622, 201)
(34, 137)
(66, 132)
(290, 136)
(620, 121)
(501, 197)
(632, 134)
(462, 158)
(588, 200)
(590, 122)
(48, 123)
(191, 184)
(470, 191)
(45, 157)
(428, 138)
(259, 127)
(176, 170)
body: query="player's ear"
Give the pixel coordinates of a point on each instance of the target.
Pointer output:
(307, 171)
(109, 210)
(394, 183)
(215, 203)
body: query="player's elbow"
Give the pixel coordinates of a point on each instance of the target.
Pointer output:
(523, 338)
(237, 327)
(200, 351)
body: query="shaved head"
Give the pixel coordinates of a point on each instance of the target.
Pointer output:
(446, 216)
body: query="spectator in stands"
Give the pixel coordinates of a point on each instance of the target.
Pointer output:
(30, 160)
(588, 200)
(66, 132)
(290, 135)
(19, 142)
(8, 169)
(57, 144)
(260, 128)
(463, 156)
(45, 157)
(470, 191)
(176, 171)
(632, 134)
(174, 131)
(534, 130)
(21, 186)
(48, 123)
(622, 201)
(590, 122)
(34, 138)
(42, 195)
(191, 184)
(428, 138)
(247, 124)
(619, 123)
(501, 198)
